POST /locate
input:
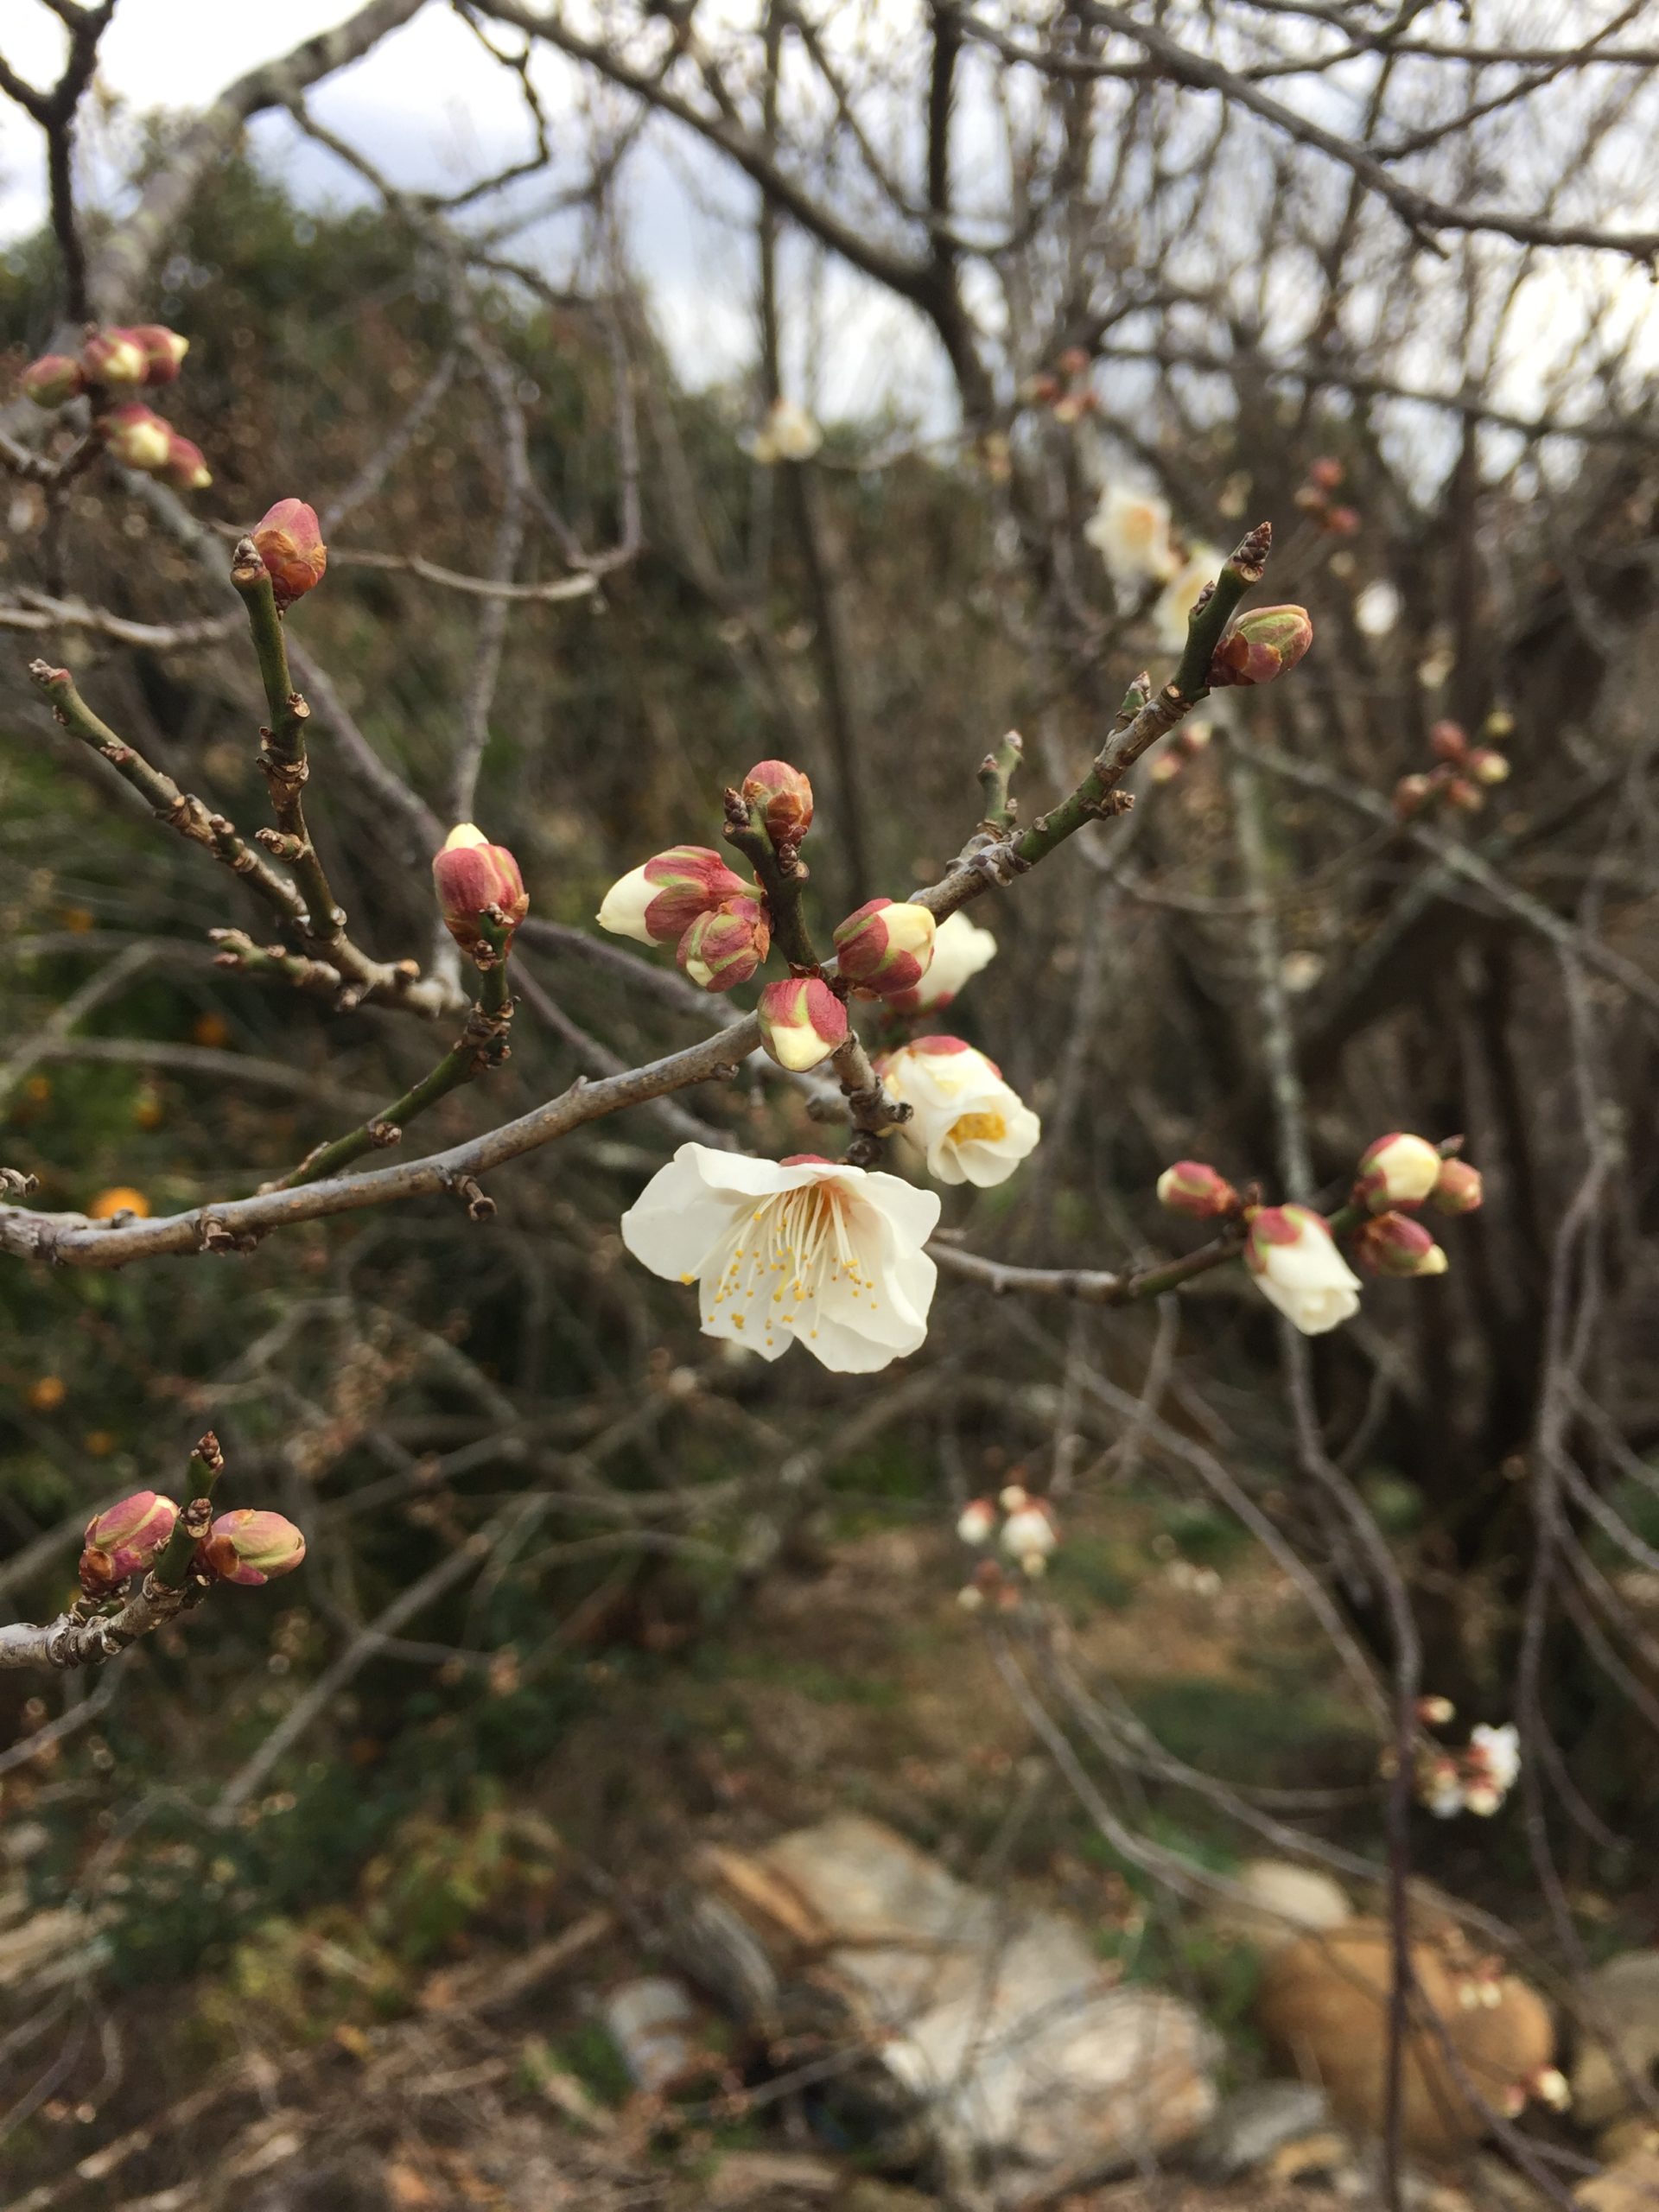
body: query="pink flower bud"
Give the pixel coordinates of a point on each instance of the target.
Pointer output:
(1193, 1187)
(288, 538)
(123, 1539)
(1412, 794)
(186, 465)
(723, 948)
(250, 1546)
(802, 1022)
(1266, 643)
(976, 1521)
(138, 438)
(785, 798)
(54, 379)
(1448, 741)
(1467, 798)
(163, 350)
(1457, 1187)
(1397, 1171)
(1487, 767)
(471, 875)
(1393, 1244)
(1326, 473)
(885, 945)
(1344, 522)
(114, 357)
(656, 903)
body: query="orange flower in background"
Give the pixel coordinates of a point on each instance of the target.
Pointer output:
(211, 1029)
(120, 1199)
(46, 1394)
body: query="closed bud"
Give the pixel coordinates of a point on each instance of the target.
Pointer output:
(656, 903)
(124, 1539)
(1458, 1188)
(138, 438)
(977, 1521)
(1397, 1171)
(288, 538)
(723, 948)
(1344, 522)
(1487, 767)
(186, 465)
(1435, 1711)
(802, 1022)
(1030, 1532)
(471, 876)
(1326, 473)
(163, 350)
(1467, 798)
(1293, 1259)
(1412, 794)
(114, 359)
(1192, 1186)
(1014, 1497)
(250, 1546)
(1549, 2085)
(785, 799)
(1264, 644)
(886, 946)
(1074, 361)
(1449, 742)
(1393, 1244)
(1498, 725)
(52, 380)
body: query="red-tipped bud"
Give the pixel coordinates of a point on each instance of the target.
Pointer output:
(1193, 1187)
(1326, 473)
(186, 465)
(1040, 390)
(656, 903)
(785, 798)
(1449, 742)
(1074, 361)
(885, 945)
(723, 948)
(163, 350)
(1344, 522)
(138, 438)
(1467, 798)
(471, 876)
(1266, 643)
(977, 1522)
(114, 359)
(802, 1022)
(1412, 794)
(250, 1547)
(124, 1539)
(1457, 1188)
(1487, 767)
(1393, 1244)
(1397, 1171)
(288, 538)
(52, 380)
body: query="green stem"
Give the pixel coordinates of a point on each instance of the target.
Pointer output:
(996, 774)
(745, 829)
(173, 1562)
(282, 758)
(481, 1045)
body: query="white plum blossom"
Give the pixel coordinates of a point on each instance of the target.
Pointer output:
(961, 949)
(1130, 532)
(1180, 595)
(967, 1124)
(1029, 1535)
(1294, 1263)
(800, 1250)
(789, 433)
(977, 1521)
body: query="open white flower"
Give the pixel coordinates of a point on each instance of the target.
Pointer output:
(968, 1125)
(1496, 1753)
(961, 949)
(1130, 532)
(801, 1248)
(1293, 1260)
(1180, 595)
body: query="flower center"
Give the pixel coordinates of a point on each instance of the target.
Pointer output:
(978, 1129)
(785, 1256)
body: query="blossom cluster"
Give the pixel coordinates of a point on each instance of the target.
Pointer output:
(1020, 1525)
(1463, 773)
(1293, 1253)
(246, 1546)
(1134, 533)
(1065, 389)
(1475, 1780)
(112, 364)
